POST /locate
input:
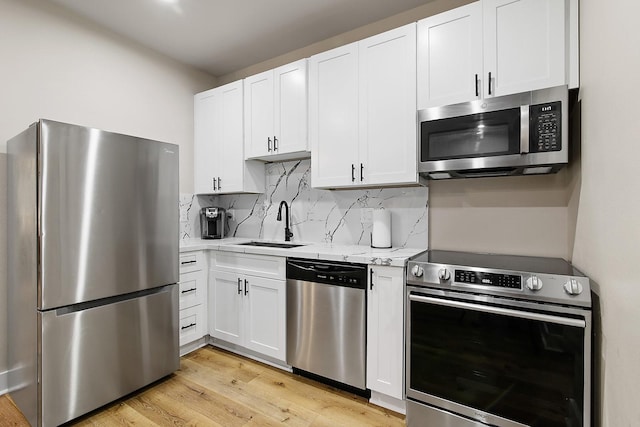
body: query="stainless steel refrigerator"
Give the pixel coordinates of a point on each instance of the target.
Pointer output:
(92, 268)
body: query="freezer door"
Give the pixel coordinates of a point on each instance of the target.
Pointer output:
(108, 216)
(95, 355)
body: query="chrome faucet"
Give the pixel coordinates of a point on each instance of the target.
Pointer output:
(287, 231)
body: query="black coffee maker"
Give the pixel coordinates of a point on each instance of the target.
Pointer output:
(212, 222)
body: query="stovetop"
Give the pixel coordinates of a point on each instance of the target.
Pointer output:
(551, 280)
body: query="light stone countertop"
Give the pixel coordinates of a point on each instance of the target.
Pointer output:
(395, 257)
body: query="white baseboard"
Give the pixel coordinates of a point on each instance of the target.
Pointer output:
(388, 402)
(4, 382)
(192, 346)
(242, 351)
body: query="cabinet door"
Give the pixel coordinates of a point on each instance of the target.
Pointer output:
(265, 316)
(333, 116)
(290, 107)
(225, 306)
(258, 114)
(524, 45)
(450, 57)
(385, 331)
(388, 150)
(231, 162)
(205, 163)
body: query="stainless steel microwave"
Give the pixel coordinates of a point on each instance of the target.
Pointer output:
(521, 134)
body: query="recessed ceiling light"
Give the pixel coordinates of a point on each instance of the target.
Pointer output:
(173, 4)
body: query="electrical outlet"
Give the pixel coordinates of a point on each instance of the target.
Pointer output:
(231, 215)
(366, 215)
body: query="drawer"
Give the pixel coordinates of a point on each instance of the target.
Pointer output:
(192, 324)
(193, 289)
(191, 261)
(269, 267)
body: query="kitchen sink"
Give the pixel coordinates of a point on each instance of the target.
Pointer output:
(272, 244)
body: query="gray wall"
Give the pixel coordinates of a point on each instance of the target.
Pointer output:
(3, 268)
(607, 243)
(522, 215)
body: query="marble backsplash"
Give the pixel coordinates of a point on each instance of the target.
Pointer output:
(328, 216)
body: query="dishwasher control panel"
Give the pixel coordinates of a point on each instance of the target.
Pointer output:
(327, 272)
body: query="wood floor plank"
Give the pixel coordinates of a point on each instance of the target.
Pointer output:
(9, 414)
(217, 388)
(163, 410)
(266, 404)
(342, 410)
(216, 406)
(119, 414)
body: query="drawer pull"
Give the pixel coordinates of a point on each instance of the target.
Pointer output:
(188, 326)
(188, 262)
(188, 290)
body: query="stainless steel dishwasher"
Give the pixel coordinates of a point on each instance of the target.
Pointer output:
(326, 320)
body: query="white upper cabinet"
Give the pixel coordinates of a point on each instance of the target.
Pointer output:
(387, 110)
(276, 113)
(333, 116)
(450, 56)
(219, 165)
(495, 47)
(362, 112)
(524, 45)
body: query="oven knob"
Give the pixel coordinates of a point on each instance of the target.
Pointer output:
(444, 274)
(573, 287)
(534, 283)
(417, 271)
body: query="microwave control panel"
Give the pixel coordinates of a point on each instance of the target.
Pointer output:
(545, 127)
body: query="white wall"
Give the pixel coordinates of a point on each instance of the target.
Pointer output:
(53, 65)
(608, 225)
(60, 67)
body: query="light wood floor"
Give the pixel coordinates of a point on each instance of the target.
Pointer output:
(217, 388)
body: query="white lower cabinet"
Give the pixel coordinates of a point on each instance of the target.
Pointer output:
(193, 323)
(192, 300)
(385, 336)
(248, 305)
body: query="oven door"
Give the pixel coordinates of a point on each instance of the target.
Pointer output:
(497, 364)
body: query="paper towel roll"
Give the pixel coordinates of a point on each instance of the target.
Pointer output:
(381, 228)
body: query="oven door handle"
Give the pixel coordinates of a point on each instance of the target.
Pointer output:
(502, 311)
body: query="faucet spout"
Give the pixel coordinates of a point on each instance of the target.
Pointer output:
(287, 231)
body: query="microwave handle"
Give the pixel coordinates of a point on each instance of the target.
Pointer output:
(524, 129)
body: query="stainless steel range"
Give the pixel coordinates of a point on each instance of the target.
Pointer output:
(497, 340)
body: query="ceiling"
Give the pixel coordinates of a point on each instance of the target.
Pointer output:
(222, 36)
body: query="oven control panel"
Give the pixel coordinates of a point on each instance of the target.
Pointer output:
(488, 279)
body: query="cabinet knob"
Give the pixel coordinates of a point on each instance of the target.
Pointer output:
(275, 144)
(268, 144)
